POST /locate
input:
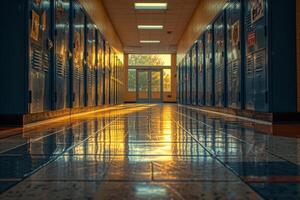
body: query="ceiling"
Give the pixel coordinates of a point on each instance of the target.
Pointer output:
(126, 19)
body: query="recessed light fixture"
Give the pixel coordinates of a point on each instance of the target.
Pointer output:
(150, 27)
(150, 41)
(150, 6)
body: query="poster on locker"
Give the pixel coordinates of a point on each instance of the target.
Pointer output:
(235, 34)
(257, 10)
(35, 26)
(38, 2)
(44, 21)
(77, 47)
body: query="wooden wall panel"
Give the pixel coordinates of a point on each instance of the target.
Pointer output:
(97, 12)
(203, 15)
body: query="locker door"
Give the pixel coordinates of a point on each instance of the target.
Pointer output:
(100, 69)
(90, 63)
(107, 75)
(78, 56)
(186, 80)
(194, 81)
(190, 78)
(40, 48)
(62, 9)
(209, 65)
(256, 51)
(233, 19)
(201, 72)
(180, 83)
(219, 47)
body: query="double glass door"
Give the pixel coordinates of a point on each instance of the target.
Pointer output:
(149, 86)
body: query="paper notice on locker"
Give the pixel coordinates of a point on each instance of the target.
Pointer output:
(44, 21)
(35, 26)
(257, 10)
(251, 39)
(235, 33)
(37, 2)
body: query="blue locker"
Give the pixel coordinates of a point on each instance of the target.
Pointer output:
(189, 78)
(201, 71)
(62, 12)
(234, 59)
(178, 83)
(40, 47)
(100, 72)
(78, 55)
(90, 67)
(194, 81)
(256, 56)
(209, 67)
(181, 81)
(220, 61)
(107, 74)
(186, 80)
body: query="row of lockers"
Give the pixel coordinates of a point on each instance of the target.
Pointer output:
(245, 59)
(69, 62)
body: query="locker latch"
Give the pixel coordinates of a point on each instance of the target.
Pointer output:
(29, 96)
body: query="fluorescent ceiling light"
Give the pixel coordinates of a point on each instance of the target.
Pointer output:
(150, 41)
(150, 27)
(150, 6)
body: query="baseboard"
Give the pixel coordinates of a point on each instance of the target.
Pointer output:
(276, 118)
(22, 120)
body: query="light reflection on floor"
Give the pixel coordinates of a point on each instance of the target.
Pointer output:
(138, 151)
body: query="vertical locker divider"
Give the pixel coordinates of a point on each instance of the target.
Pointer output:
(96, 68)
(196, 64)
(243, 57)
(53, 65)
(86, 95)
(204, 69)
(225, 91)
(70, 56)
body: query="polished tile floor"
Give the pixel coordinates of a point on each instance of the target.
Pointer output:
(138, 151)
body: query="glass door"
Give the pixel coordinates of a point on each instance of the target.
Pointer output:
(156, 86)
(149, 86)
(142, 86)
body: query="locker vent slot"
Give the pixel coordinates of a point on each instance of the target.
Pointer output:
(59, 65)
(250, 65)
(46, 62)
(76, 73)
(260, 61)
(235, 70)
(37, 59)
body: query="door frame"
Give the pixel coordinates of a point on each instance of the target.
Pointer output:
(149, 73)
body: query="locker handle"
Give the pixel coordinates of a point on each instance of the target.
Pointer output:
(55, 97)
(267, 97)
(29, 96)
(49, 44)
(73, 97)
